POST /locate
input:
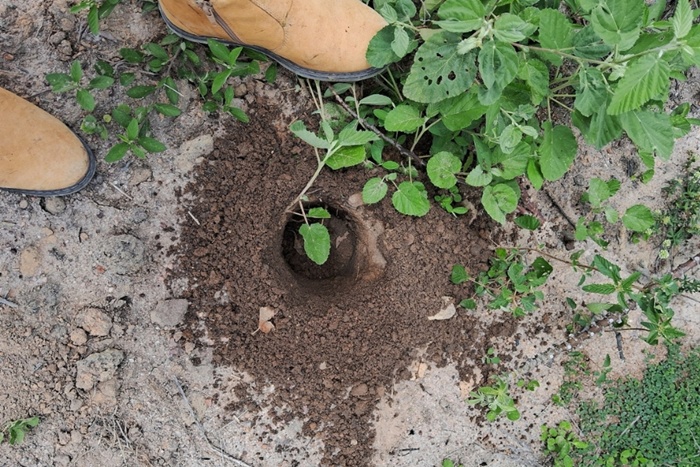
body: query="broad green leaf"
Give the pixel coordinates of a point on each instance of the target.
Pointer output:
(101, 82)
(527, 222)
(347, 156)
(401, 42)
(218, 50)
(131, 55)
(598, 130)
(598, 191)
(682, 19)
(350, 136)
(380, 52)
(556, 32)
(151, 144)
(511, 28)
(157, 51)
(459, 274)
(167, 109)
(645, 79)
(468, 303)
(219, 81)
(650, 131)
(132, 130)
(317, 242)
(460, 112)
(438, 71)
(513, 164)
(405, 118)
(534, 174)
(468, 15)
(76, 71)
(588, 44)
(499, 200)
(408, 199)
(618, 22)
(117, 152)
(557, 151)
(318, 213)
(85, 99)
(140, 91)
(509, 138)
(376, 99)
(607, 268)
(374, 190)
(498, 64)
(299, 129)
(477, 177)
(60, 82)
(603, 289)
(536, 74)
(442, 168)
(591, 91)
(638, 218)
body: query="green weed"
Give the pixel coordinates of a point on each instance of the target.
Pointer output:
(652, 421)
(510, 284)
(17, 429)
(560, 442)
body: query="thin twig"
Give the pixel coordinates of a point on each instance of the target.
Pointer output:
(218, 450)
(120, 191)
(685, 267)
(559, 208)
(403, 151)
(193, 218)
(8, 303)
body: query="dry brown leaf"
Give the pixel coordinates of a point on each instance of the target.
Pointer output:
(264, 323)
(447, 311)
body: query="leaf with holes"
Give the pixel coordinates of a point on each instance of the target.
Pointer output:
(438, 71)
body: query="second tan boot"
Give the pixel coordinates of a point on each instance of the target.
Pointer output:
(318, 39)
(39, 155)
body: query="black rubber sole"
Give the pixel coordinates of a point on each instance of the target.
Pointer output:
(92, 167)
(291, 66)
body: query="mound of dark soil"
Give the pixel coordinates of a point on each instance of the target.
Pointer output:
(343, 333)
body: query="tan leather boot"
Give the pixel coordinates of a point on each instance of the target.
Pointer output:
(39, 155)
(318, 39)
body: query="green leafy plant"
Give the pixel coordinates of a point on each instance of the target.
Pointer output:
(559, 443)
(487, 78)
(336, 150)
(67, 82)
(496, 399)
(637, 418)
(510, 284)
(450, 463)
(16, 430)
(637, 218)
(96, 11)
(681, 219)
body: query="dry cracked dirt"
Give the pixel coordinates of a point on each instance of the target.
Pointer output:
(129, 310)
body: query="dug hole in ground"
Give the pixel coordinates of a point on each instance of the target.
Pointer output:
(129, 314)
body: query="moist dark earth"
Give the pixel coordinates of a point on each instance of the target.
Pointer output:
(344, 332)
